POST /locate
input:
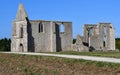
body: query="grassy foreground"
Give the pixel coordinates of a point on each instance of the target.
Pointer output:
(14, 64)
(100, 54)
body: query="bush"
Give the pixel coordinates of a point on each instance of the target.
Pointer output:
(117, 43)
(74, 41)
(5, 44)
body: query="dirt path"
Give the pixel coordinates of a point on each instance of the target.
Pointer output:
(93, 58)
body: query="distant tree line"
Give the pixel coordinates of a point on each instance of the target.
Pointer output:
(5, 44)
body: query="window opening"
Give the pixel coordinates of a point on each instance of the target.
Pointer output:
(40, 27)
(62, 28)
(21, 32)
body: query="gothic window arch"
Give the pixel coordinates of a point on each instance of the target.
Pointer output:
(90, 31)
(21, 32)
(62, 28)
(40, 27)
(105, 36)
(105, 30)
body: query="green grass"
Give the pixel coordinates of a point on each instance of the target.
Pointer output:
(100, 54)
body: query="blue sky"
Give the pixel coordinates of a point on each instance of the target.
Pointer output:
(80, 12)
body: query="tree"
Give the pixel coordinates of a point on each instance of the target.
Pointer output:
(118, 43)
(74, 40)
(5, 44)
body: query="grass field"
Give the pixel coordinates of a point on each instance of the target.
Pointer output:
(14, 64)
(100, 54)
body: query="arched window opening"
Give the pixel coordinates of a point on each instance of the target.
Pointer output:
(62, 28)
(40, 27)
(21, 44)
(104, 41)
(21, 32)
(21, 48)
(105, 37)
(90, 32)
(105, 30)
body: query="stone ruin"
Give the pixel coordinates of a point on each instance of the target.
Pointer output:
(96, 38)
(47, 36)
(40, 35)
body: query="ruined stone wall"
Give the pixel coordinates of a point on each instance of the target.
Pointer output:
(19, 40)
(41, 40)
(51, 39)
(97, 37)
(88, 27)
(46, 36)
(67, 37)
(79, 46)
(39, 35)
(62, 41)
(110, 38)
(95, 42)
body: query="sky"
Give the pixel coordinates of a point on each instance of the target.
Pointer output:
(79, 12)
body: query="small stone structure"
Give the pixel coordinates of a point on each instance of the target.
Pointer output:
(39, 35)
(96, 38)
(53, 36)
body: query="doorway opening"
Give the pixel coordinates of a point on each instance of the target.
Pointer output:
(21, 48)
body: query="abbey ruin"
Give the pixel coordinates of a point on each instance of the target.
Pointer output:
(46, 36)
(96, 37)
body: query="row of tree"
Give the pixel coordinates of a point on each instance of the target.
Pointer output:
(5, 44)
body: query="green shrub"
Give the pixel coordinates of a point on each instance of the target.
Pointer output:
(118, 43)
(5, 44)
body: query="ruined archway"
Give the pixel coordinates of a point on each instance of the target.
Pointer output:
(21, 48)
